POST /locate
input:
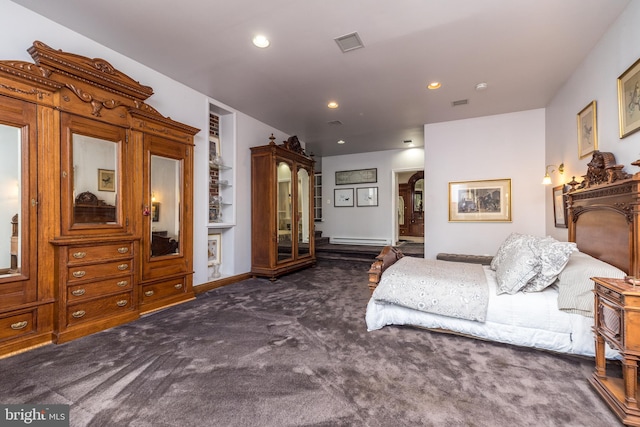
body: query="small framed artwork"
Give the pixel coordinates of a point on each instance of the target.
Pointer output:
(360, 176)
(155, 211)
(106, 180)
(343, 197)
(629, 100)
(587, 130)
(214, 244)
(560, 206)
(480, 201)
(367, 196)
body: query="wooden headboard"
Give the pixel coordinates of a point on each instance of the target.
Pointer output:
(603, 214)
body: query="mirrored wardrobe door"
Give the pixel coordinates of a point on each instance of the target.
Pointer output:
(166, 193)
(92, 190)
(18, 202)
(285, 211)
(303, 214)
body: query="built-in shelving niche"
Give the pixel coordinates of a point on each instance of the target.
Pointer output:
(221, 191)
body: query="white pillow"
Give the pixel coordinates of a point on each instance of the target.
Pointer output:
(518, 265)
(554, 256)
(575, 287)
(504, 249)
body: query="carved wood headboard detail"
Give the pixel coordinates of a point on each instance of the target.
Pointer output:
(604, 213)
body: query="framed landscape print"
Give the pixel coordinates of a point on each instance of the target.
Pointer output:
(367, 196)
(360, 176)
(587, 130)
(480, 201)
(629, 100)
(343, 197)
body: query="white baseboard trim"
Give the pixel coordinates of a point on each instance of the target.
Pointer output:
(359, 241)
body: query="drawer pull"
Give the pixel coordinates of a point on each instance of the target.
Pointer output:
(123, 266)
(78, 314)
(148, 293)
(78, 292)
(123, 250)
(178, 286)
(19, 325)
(79, 255)
(79, 274)
(122, 303)
(122, 283)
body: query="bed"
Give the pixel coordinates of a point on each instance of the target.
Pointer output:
(537, 291)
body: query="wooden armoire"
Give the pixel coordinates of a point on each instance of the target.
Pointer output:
(282, 228)
(86, 160)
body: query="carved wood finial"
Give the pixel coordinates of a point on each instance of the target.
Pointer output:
(272, 140)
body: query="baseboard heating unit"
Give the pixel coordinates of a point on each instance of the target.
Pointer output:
(359, 241)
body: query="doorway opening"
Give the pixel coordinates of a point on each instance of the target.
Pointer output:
(410, 206)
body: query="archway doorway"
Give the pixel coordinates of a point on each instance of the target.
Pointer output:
(411, 206)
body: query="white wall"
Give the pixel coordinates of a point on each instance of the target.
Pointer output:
(494, 147)
(595, 79)
(366, 222)
(19, 28)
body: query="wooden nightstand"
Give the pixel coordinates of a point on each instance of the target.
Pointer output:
(617, 322)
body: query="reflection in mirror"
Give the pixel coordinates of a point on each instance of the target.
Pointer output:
(95, 174)
(10, 201)
(417, 195)
(284, 211)
(166, 185)
(304, 226)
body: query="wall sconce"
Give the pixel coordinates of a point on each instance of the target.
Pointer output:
(153, 196)
(547, 178)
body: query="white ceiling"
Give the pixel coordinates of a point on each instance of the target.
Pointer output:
(523, 49)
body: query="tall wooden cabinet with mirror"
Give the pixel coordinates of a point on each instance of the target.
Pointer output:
(80, 145)
(282, 234)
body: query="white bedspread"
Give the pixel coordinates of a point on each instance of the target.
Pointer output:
(530, 320)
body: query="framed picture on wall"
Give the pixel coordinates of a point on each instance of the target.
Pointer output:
(343, 197)
(629, 100)
(214, 241)
(367, 196)
(560, 206)
(587, 130)
(106, 180)
(480, 201)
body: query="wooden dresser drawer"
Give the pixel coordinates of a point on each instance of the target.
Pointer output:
(97, 271)
(88, 254)
(15, 325)
(158, 291)
(99, 288)
(97, 308)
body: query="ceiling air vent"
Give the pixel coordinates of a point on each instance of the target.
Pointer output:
(349, 42)
(334, 123)
(460, 102)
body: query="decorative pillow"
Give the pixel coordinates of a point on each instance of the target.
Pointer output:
(575, 287)
(504, 249)
(518, 265)
(553, 256)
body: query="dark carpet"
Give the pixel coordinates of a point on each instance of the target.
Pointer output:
(296, 352)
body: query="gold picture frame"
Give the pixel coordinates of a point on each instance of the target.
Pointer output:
(480, 201)
(106, 180)
(629, 100)
(587, 130)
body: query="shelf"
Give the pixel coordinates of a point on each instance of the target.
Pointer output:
(219, 225)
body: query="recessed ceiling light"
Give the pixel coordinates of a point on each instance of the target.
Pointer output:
(341, 142)
(481, 86)
(261, 41)
(332, 104)
(434, 85)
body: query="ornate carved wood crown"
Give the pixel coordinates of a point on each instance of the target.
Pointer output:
(602, 169)
(292, 144)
